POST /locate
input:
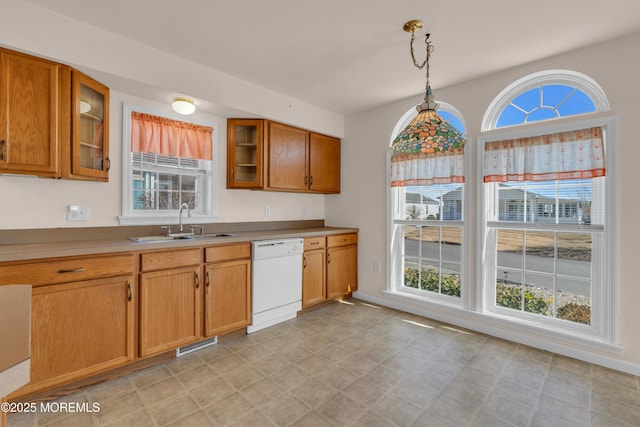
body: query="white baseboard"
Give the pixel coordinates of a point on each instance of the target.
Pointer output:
(588, 351)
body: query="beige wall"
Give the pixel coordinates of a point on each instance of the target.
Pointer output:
(144, 76)
(363, 203)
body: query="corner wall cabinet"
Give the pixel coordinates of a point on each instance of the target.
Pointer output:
(263, 154)
(54, 120)
(87, 155)
(244, 153)
(29, 114)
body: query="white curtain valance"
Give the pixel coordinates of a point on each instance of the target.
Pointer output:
(565, 155)
(427, 169)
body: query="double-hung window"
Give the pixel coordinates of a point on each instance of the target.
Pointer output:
(427, 228)
(167, 162)
(547, 193)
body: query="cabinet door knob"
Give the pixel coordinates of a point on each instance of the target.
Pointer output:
(208, 282)
(197, 281)
(3, 145)
(304, 262)
(328, 258)
(129, 292)
(108, 160)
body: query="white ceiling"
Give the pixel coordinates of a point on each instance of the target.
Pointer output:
(351, 55)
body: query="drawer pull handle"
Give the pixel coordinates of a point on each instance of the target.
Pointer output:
(197, 281)
(208, 282)
(72, 270)
(3, 145)
(304, 262)
(343, 240)
(129, 292)
(314, 243)
(328, 258)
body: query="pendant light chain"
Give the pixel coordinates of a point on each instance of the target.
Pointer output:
(425, 64)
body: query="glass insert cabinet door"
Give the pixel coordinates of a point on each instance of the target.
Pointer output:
(90, 123)
(244, 153)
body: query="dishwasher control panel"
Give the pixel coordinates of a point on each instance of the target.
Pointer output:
(277, 248)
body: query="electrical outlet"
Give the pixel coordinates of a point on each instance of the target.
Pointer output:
(77, 213)
(377, 266)
(267, 211)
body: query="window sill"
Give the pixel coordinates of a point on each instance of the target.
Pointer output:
(517, 330)
(165, 220)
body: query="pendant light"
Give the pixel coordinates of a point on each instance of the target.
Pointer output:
(427, 136)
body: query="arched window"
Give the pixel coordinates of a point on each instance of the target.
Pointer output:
(546, 204)
(545, 95)
(427, 228)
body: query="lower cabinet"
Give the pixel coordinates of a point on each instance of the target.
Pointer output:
(81, 328)
(342, 264)
(170, 300)
(227, 293)
(82, 316)
(330, 267)
(314, 271)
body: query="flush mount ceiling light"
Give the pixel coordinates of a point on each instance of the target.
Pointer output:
(183, 106)
(429, 150)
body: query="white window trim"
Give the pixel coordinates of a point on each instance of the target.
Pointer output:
(605, 327)
(548, 77)
(170, 216)
(395, 247)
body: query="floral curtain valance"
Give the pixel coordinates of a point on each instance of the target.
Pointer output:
(428, 151)
(159, 135)
(565, 155)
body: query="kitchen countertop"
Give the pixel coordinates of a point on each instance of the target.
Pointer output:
(35, 251)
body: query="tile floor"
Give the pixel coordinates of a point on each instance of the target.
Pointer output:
(354, 364)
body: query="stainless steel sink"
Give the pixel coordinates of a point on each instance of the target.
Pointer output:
(212, 235)
(178, 237)
(158, 239)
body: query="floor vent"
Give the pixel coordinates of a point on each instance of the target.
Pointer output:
(196, 346)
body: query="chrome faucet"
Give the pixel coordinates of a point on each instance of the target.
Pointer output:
(182, 206)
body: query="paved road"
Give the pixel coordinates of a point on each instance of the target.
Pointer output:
(510, 260)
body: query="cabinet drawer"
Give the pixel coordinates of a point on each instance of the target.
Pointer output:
(311, 243)
(57, 270)
(170, 259)
(228, 252)
(342, 240)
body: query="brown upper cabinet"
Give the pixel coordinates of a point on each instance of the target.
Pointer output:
(87, 154)
(54, 120)
(244, 153)
(29, 114)
(262, 154)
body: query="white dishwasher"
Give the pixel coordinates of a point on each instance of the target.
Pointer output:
(277, 281)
